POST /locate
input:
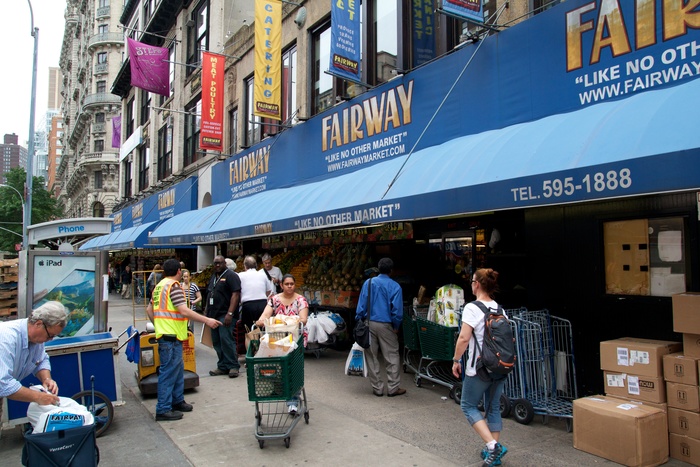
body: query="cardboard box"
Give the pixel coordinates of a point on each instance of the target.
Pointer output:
(685, 448)
(637, 356)
(644, 388)
(691, 345)
(662, 406)
(683, 422)
(683, 396)
(633, 435)
(686, 312)
(680, 368)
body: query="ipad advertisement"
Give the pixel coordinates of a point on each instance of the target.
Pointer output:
(71, 281)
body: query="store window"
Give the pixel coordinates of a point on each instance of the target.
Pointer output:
(645, 257)
(192, 124)
(144, 165)
(165, 152)
(197, 35)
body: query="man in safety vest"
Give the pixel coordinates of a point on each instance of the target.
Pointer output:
(168, 312)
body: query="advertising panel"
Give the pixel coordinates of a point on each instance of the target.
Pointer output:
(71, 280)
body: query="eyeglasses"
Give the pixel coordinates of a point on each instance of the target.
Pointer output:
(48, 334)
(218, 262)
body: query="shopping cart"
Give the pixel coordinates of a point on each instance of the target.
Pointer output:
(272, 381)
(437, 347)
(544, 380)
(411, 342)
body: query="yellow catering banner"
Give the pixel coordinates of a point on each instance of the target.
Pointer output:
(268, 59)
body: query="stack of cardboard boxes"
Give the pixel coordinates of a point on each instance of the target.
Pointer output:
(681, 373)
(9, 274)
(631, 425)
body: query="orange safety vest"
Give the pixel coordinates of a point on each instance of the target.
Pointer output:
(166, 318)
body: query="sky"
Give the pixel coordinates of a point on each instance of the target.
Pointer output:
(18, 51)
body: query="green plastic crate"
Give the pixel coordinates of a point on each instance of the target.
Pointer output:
(274, 378)
(437, 342)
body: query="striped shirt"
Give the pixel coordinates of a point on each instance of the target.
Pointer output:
(19, 358)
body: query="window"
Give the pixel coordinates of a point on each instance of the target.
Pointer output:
(102, 29)
(98, 180)
(382, 40)
(102, 3)
(645, 257)
(144, 165)
(147, 10)
(128, 177)
(192, 123)
(197, 35)
(171, 71)
(233, 131)
(101, 57)
(289, 83)
(322, 95)
(145, 106)
(99, 145)
(253, 128)
(165, 152)
(98, 209)
(99, 117)
(129, 117)
(101, 87)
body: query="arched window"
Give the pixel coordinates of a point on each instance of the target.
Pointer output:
(98, 210)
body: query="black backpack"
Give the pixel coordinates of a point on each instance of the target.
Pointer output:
(497, 358)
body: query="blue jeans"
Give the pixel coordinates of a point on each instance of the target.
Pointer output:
(473, 390)
(171, 378)
(224, 343)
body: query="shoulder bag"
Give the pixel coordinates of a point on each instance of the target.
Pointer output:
(361, 331)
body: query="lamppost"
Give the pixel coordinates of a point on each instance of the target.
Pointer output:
(21, 200)
(30, 153)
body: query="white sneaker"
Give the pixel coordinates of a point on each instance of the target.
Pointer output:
(292, 409)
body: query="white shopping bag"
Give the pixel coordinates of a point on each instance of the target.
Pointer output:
(355, 365)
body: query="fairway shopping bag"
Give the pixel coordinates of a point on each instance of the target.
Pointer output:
(356, 365)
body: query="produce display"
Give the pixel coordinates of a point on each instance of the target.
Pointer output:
(338, 268)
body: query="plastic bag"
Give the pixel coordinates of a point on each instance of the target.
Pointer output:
(275, 348)
(68, 414)
(280, 325)
(356, 365)
(326, 322)
(311, 326)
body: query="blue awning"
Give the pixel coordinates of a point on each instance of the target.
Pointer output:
(133, 237)
(647, 143)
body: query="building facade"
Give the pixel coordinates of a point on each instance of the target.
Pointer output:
(55, 153)
(90, 57)
(13, 155)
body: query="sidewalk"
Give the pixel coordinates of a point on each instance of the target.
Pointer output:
(347, 424)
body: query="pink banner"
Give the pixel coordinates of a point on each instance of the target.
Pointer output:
(149, 67)
(211, 135)
(117, 131)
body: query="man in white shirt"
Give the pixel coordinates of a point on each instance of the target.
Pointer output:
(273, 273)
(255, 288)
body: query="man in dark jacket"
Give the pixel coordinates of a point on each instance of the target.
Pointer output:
(223, 296)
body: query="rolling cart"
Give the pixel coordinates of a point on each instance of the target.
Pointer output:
(411, 342)
(437, 346)
(544, 381)
(272, 381)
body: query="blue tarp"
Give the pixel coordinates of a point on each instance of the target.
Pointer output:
(647, 143)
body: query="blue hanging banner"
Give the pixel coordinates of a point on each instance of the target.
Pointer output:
(471, 10)
(423, 22)
(345, 40)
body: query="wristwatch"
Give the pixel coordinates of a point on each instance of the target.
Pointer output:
(229, 313)
(456, 360)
